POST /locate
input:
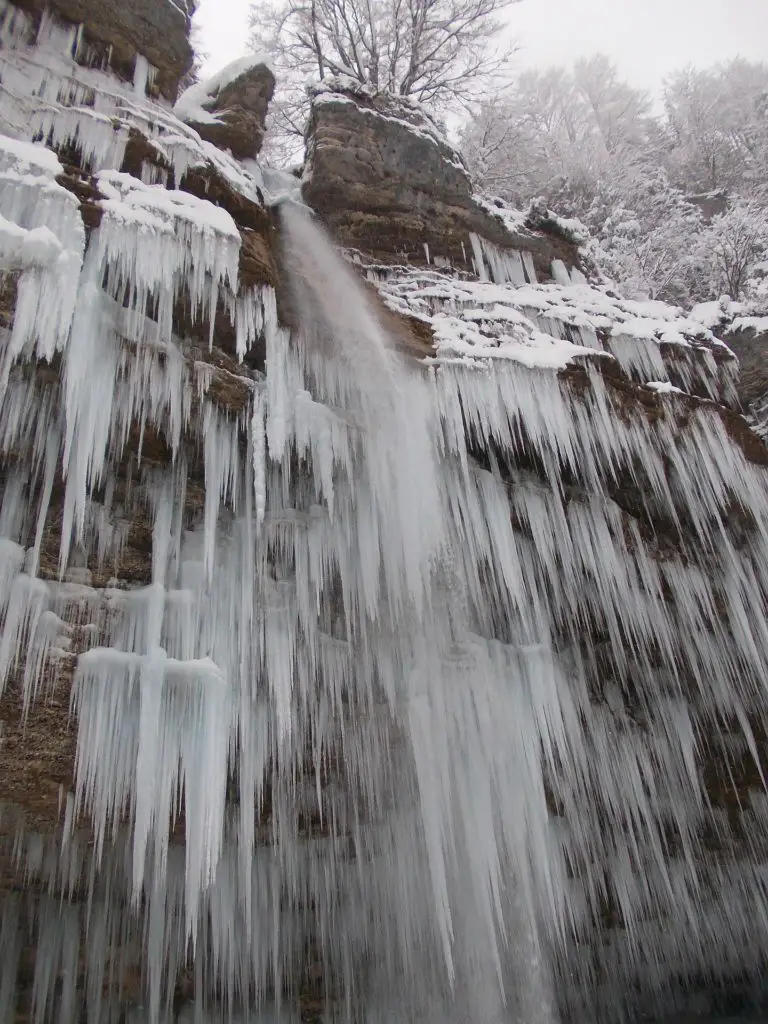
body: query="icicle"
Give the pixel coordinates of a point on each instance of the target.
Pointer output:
(100, 142)
(560, 273)
(431, 667)
(152, 240)
(42, 236)
(141, 75)
(258, 434)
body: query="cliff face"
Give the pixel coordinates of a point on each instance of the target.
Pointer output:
(423, 688)
(383, 178)
(748, 339)
(746, 333)
(112, 34)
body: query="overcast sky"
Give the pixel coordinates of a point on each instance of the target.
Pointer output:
(646, 38)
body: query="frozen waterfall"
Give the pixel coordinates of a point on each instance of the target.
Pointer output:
(401, 691)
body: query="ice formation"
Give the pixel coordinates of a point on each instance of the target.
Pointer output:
(406, 708)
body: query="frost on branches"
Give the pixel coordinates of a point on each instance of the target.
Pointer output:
(646, 186)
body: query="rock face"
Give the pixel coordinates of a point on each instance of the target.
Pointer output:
(711, 204)
(746, 334)
(390, 680)
(114, 32)
(749, 342)
(382, 177)
(230, 109)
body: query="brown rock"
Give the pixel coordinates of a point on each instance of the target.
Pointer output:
(140, 150)
(241, 109)
(116, 31)
(83, 185)
(385, 182)
(751, 349)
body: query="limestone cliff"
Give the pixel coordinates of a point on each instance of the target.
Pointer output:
(746, 331)
(111, 35)
(381, 175)
(384, 626)
(748, 339)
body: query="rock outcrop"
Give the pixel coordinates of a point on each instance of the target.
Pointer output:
(381, 175)
(230, 109)
(748, 339)
(111, 33)
(745, 331)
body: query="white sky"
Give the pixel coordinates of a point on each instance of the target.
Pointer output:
(646, 38)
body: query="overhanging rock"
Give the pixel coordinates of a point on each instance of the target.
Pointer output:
(112, 33)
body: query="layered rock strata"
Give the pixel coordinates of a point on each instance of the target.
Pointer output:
(382, 177)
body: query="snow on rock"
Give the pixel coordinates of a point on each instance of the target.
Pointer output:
(378, 169)
(664, 387)
(45, 93)
(152, 238)
(403, 110)
(744, 326)
(758, 324)
(230, 109)
(557, 323)
(711, 314)
(194, 103)
(42, 237)
(28, 158)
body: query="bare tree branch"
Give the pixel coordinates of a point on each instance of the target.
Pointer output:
(439, 52)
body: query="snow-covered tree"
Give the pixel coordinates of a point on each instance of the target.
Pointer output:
(618, 112)
(646, 186)
(717, 122)
(556, 133)
(732, 247)
(439, 52)
(648, 235)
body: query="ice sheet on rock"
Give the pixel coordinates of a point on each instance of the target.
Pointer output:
(502, 266)
(163, 726)
(143, 75)
(97, 137)
(455, 338)
(44, 90)
(42, 239)
(651, 341)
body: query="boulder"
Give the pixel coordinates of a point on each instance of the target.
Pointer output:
(229, 110)
(383, 178)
